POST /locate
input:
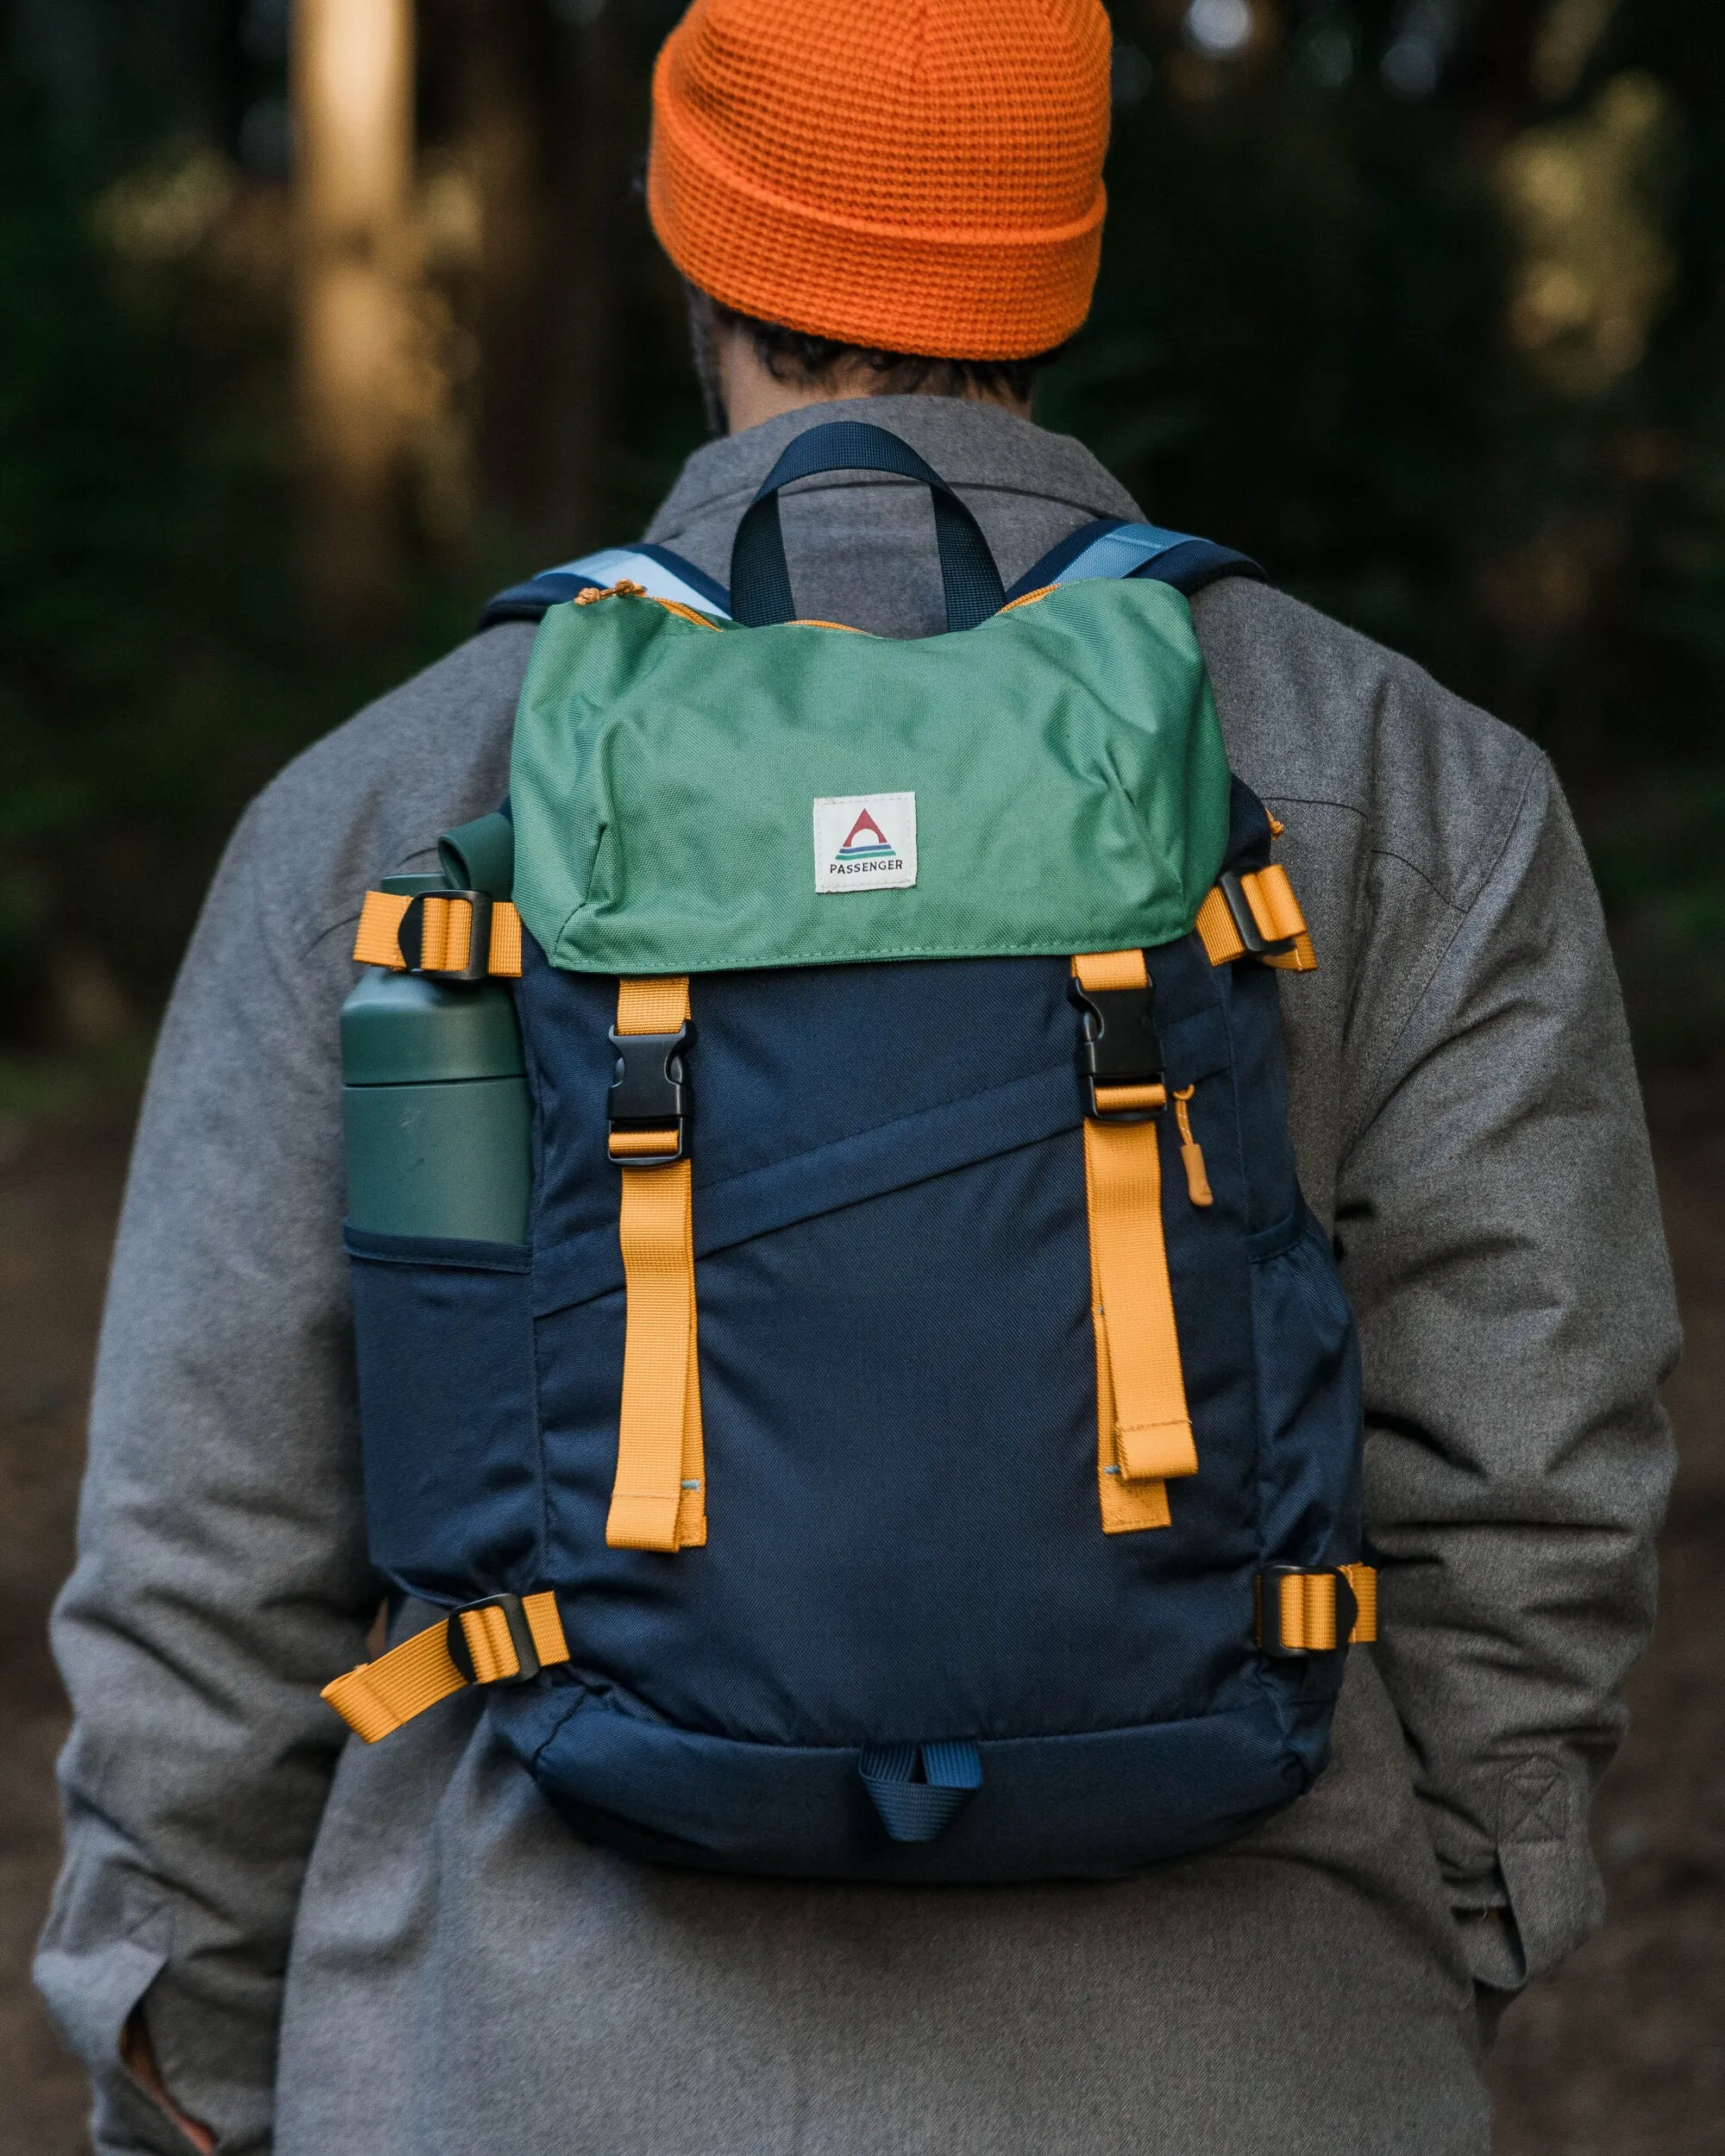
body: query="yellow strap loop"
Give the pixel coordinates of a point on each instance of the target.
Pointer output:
(1276, 914)
(659, 1500)
(1144, 1429)
(1274, 906)
(448, 934)
(1307, 1602)
(379, 1696)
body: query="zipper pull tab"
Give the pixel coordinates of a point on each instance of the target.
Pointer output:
(621, 589)
(1191, 1153)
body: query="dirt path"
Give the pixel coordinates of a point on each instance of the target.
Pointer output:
(59, 1190)
(1621, 2054)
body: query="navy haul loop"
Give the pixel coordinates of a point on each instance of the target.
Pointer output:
(844, 1363)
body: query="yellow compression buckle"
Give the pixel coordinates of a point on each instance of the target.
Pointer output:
(1256, 915)
(1297, 1612)
(505, 1638)
(659, 1500)
(1144, 1429)
(433, 934)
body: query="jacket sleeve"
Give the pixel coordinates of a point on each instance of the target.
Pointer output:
(1501, 1244)
(221, 1576)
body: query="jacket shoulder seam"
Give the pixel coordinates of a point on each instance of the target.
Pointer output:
(1488, 854)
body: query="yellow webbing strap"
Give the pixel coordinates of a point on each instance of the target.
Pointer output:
(1144, 1431)
(379, 1696)
(448, 933)
(1275, 912)
(1308, 1608)
(659, 1500)
(1362, 1579)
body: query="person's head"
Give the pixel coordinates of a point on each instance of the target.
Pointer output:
(868, 200)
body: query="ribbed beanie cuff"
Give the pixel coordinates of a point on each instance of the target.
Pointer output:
(916, 175)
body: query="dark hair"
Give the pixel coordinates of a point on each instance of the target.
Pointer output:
(794, 355)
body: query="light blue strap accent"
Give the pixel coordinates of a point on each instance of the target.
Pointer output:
(614, 564)
(1122, 552)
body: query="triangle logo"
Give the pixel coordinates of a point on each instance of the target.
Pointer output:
(866, 837)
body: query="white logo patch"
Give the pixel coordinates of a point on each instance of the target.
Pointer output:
(865, 841)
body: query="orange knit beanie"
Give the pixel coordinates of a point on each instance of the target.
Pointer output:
(912, 175)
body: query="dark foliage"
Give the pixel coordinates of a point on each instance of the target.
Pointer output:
(1311, 341)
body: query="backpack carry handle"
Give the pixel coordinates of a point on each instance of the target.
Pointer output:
(760, 579)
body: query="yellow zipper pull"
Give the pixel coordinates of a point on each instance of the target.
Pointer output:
(621, 589)
(1191, 1153)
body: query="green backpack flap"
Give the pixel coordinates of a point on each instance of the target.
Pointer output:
(692, 797)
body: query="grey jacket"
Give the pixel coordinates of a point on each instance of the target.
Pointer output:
(435, 1962)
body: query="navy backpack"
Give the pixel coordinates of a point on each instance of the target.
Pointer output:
(884, 1410)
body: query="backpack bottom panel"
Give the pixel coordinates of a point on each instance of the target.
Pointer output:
(1100, 1804)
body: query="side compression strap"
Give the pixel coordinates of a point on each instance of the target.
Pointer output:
(659, 1500)
(1144, 1429)
(1297, 1611)
(1257, 915)
(379, 1696)
(445, 935)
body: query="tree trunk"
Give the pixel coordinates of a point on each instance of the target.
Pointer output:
(353, 95)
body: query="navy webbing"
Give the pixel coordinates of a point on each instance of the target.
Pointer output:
(1107, 548)
(921, 1811)
(760, 579)
(655, 568)
(1112, 550)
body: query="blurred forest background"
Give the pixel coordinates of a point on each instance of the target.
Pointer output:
(1422, 302)
(319, 319)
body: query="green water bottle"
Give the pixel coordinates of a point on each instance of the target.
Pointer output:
(434, 1093)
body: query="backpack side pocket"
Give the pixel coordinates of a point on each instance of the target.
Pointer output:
(448, 1398)
(1309, 1396)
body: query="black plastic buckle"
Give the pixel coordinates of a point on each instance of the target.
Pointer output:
(1270, 1638)
(1252, 939)
(1120, 1043)
(520, 1633)
(650, 1090)
(411, 937)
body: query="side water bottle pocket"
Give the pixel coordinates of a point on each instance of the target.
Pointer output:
(439, 1141)
(444, 1333)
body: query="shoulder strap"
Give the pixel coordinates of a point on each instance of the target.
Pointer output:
(660, 574)
(1107, 548)
(1112, 549)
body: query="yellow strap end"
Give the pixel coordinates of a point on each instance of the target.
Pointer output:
(1362, 1579)
(1157, 1452)
(375, 945)
(645, 1522)
(377, 1697)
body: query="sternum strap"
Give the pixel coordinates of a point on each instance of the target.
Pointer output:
(659, 1501)
(1143, 1426)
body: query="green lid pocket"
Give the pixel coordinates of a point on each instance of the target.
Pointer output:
(692, 800)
